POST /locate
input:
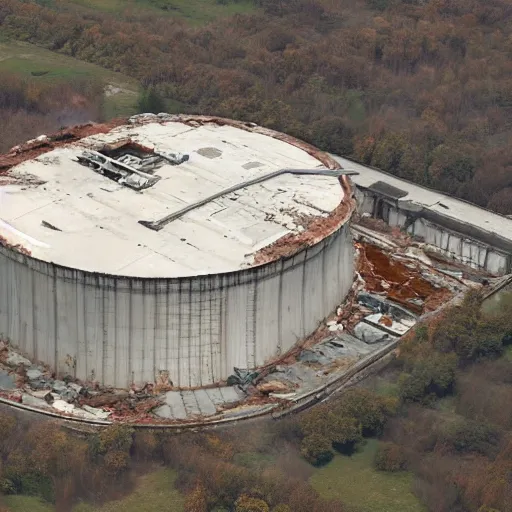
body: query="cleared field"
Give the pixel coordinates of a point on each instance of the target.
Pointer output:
(154, 491)
(38, 64)
(195, 12)
(362, 488)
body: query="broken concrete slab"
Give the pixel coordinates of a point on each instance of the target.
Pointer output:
(97, 413)
(63, 406)
(6, 381)
(206, 406)
(177, 409)
(190, 403)
(14, 360)
(34, 374)
(32, 401)
(371, 335)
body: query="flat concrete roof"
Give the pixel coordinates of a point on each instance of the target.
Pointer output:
(97, 218)
(438, 202)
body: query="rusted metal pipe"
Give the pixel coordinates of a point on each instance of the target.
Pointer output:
(157, 225)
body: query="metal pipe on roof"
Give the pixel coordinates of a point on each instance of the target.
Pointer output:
(157, 225)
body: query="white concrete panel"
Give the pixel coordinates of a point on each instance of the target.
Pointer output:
(194, 336)
(122, 372)
(44, 309)
(291, 307)
(314, 308)
(149, 331)
(4, 295)
(183, 341)
(137, 332)
(237, 303)
(67, 332)
(173, 333)
(496, 262)
(267, 318)
(94, 332)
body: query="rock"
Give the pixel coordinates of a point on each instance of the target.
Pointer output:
(43, 394)
(107, 399)
(370, 334)
(70, 395)
(98, 413)
(59, 386)
(14, 359)
(41, 383)
(63, 406)
(6, 380)
(33, 401)
(34, 374)
(76, 387)
(274, 386)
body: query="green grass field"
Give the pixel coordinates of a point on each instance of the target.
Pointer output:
(38, 64)
(196, 12)
(154, 491)
(355, 482)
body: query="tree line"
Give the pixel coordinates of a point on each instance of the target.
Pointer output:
(419, 89)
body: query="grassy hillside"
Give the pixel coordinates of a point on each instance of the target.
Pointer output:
(194, 12)
(38, 65)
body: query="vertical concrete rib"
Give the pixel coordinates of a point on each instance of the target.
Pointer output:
(280, 311)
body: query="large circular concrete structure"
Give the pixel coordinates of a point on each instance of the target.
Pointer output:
(170, 249)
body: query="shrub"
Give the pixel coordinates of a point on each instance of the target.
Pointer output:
(117, 461)
(317, 449)
(247, 504)
(115, 437)
(369, 409)
(430, 376)
(281, 508)
(471, 436)
(390, 457)
(345, 433)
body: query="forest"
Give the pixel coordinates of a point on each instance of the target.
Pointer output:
(421, 89)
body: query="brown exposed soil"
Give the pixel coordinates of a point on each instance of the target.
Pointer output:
(398, 281)
(35, 148)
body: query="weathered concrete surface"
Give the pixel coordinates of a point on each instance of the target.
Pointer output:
(115, 315)
(458, 230)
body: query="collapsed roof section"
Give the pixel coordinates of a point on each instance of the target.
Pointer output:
(129, 164)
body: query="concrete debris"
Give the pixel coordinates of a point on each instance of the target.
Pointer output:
(63, 406)
(273, 386)
(7, 381)
(97, 413)
(174, 158)
(43, 394)
(116, 170)
(34, 374)
(14, 360)
(33, 401)
(371, 334)
(242, 378)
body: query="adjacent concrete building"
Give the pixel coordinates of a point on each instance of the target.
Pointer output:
(458, 230)
(171, 249)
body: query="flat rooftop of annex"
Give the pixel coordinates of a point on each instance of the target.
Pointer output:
(64, 212)
(438, 202)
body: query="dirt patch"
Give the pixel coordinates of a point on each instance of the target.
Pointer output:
(401, 283)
